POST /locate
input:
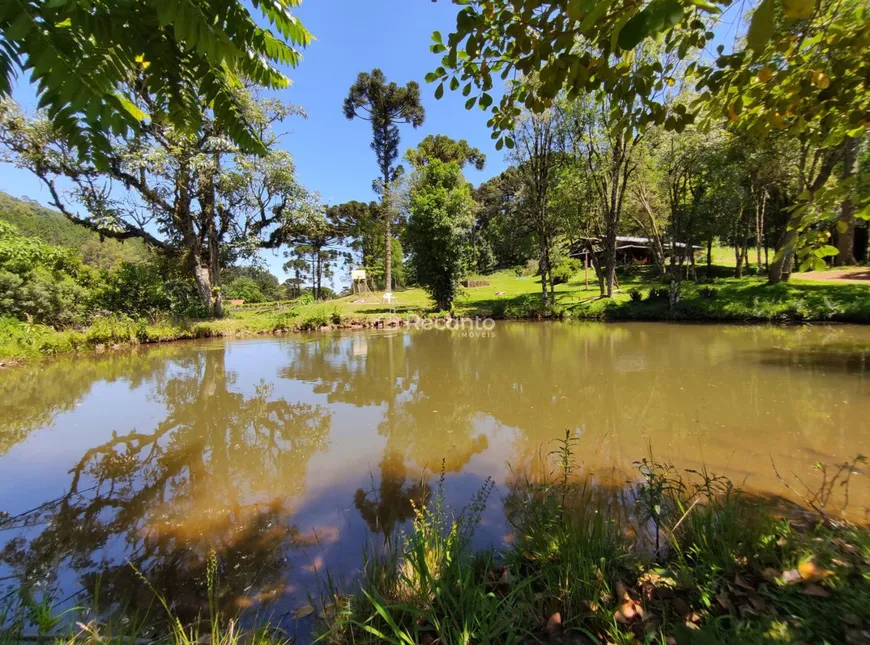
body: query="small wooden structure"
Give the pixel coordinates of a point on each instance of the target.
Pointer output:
(474, 283)
(237, 301)
(358, 282)
(629, 250)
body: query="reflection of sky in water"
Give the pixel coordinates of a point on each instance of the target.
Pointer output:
(280, 450)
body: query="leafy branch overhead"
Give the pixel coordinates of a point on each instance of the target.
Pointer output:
(82, 57)
(539, 49)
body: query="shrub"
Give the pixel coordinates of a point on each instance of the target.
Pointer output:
(528, 269)
(315, 319)
(244, 288)
(658, 293)
(707, 292)
(134, 289)
(524, 308)
(499, 309)
(635, 295)
(565, 270)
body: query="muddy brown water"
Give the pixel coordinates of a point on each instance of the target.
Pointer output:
(286, 455)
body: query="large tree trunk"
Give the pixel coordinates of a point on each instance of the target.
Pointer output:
(759, 226)
(544, 271)
(208, 215)
(202, 279)
(780, 268)
(739, 244)
(846, 222)
(675, 282)
(618, 180)
(652, 230)
(692, 271)
(609, 260)
(709, 257)
(592, 256)
(214, 268)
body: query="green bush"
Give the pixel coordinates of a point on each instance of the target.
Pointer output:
(43, 283)
(635, 295)
(708, 293)
(315, 319)
(658, 293)
(564, 270)
(134, 289)
(244, 288)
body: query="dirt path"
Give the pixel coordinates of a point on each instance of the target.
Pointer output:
(854, 275)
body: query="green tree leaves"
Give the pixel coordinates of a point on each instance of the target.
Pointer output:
(761, 27)
(656, 17)
(86, 59)
(437, 233)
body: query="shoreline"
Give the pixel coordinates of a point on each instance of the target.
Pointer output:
(738, 301)
(205, 329)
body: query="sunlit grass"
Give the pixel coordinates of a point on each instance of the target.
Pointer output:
(508, 295)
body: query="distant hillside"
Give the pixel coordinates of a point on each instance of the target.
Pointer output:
(33, 220)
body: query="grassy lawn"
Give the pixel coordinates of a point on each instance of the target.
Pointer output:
(511, 296)
(747, 299)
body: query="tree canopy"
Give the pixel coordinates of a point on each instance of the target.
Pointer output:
(446, 150)
(89, 61)
(386, 106)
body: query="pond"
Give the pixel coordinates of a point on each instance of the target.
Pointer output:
(285, 455)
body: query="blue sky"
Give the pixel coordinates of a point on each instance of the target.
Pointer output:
(332, 154)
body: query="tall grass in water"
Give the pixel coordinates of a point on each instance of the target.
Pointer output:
(672, 557)
(568, 544)
(430, 586)
(34, 621)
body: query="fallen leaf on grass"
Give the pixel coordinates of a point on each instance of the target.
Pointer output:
(758, 603)
(857, 637)
(791, 576)
(303, 611)
(740, 582)
(554, 624)
(811, 572)
(681, 606)
(844, 546)
(723, 602)
(621, 591)
(328, 611)
(816, 590)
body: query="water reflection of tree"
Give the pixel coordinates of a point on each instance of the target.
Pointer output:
(216, 474)
(691, 392)
(33, 394)
(410, 380)
(390, 502)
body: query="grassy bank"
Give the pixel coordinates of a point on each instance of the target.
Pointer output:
(676, 558)
(508, 296)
